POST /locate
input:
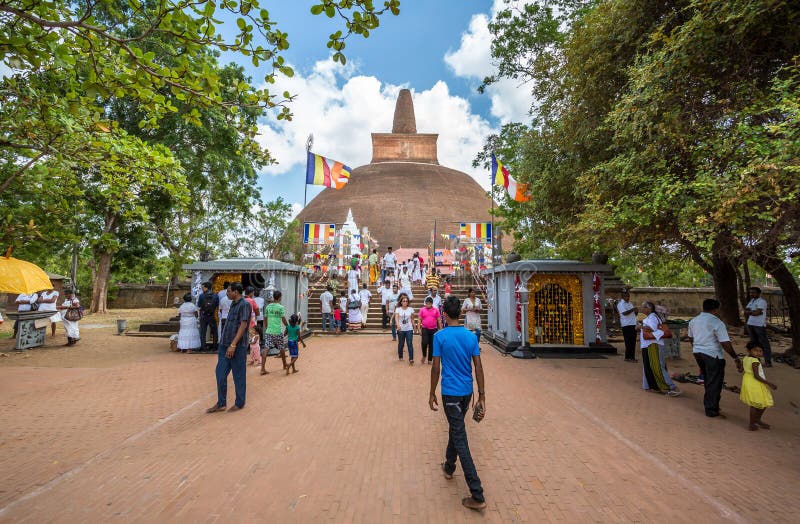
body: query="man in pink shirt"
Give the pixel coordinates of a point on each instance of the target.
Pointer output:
(430, 321)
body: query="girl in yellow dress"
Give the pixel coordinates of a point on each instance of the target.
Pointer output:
(755, 387)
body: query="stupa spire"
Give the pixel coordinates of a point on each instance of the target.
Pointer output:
(404, 144)
(404, 119)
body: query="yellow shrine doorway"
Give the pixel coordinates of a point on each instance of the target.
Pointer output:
(555, 313)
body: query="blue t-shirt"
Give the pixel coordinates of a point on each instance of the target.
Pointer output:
(456, 346)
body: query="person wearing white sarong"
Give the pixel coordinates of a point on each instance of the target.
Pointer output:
(352, 279)
(354, 311)
(47, 302)
(189, 334)
(71, 302)
(416, 274)
(364, 295)
(404, 281)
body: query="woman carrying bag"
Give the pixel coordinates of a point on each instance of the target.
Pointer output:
(654, 369)
(71, 313)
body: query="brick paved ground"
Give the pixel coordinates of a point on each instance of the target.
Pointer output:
(350, 438)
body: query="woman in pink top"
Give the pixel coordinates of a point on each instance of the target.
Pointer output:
(430, 321)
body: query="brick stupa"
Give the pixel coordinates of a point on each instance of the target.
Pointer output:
(400, 193)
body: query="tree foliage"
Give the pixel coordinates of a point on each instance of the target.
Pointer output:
(665, 126)
(118, 127)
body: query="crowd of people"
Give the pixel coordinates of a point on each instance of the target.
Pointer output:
(243, 341)
(710, 341)
(68, 313)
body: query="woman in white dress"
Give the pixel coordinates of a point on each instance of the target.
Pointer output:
(47, 302)
(71, 315)
(471, 308)
(416, 275)
(404, 281)
(352, 279)
(354, 311)
(189, 334)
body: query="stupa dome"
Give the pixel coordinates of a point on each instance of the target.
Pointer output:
(403, 190)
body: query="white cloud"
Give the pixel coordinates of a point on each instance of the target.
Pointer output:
(296, 208)
(473, 57)
(342, 119)
(511, 100)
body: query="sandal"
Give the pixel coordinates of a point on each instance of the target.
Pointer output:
(763, 425)
(752, 427)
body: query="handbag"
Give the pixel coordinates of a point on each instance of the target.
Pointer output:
(73, 315)
(648, 335)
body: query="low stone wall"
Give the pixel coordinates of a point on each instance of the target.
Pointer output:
(135, 296)
(688, 301)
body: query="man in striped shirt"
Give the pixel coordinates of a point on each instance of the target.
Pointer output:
(432, 281)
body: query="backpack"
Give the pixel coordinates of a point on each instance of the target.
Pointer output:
(208, 305)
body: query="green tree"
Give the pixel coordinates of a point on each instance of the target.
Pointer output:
(107, 38)
(631, 135)
(219, 158)
(267, 232)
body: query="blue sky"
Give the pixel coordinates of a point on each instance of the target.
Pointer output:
(438, 49)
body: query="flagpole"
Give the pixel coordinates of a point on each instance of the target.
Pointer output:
(491, 195)
(309, 143)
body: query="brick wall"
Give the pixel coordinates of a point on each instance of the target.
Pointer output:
(689, 301)
(404, 147)
(135, 296)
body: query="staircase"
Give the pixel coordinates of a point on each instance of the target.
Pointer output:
(314, 320)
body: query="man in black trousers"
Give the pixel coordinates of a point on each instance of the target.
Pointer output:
(709, 337)
(627, 321)
(207, 303)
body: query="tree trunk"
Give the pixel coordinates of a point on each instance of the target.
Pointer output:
(725, 283)
(101, 273)
(773, 265)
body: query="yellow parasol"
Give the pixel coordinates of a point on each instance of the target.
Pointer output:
(18, 276)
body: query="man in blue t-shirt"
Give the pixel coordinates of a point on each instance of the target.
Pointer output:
(455, 351)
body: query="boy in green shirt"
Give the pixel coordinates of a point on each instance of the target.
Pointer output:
(274, 315)
(293, 332)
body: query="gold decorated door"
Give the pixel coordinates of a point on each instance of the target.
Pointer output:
(555, 313)
(221, 278)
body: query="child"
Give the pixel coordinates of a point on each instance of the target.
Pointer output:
(755, 388)
(293, 332)
(343, 311)
(255, 347)
(337, 319)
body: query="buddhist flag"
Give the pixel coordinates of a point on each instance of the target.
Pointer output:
(476, 231)
(501, 177)
(318, 233)
(321, 171)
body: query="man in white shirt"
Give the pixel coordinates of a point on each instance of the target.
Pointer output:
(224, 291)
(364, 295)
(389, 263)
(260, 302)
(437, 299)
(384, 291)
(47, 302)
(391, 306)
(627, 321)
(224, 306)
(756, 313)
(709, 337)
(24, 303)
(326, 307)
